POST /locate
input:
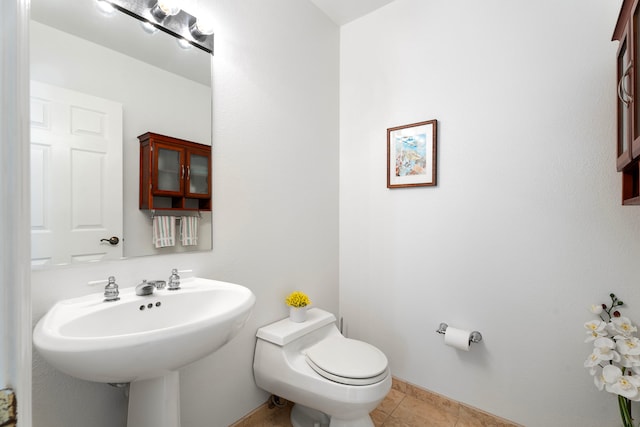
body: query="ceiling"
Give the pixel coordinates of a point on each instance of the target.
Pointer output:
(344, 11)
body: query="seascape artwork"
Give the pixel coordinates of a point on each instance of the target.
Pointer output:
(411, 155)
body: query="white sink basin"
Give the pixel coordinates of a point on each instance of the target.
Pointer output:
(141, 337)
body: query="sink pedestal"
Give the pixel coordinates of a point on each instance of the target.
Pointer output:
(155, 402)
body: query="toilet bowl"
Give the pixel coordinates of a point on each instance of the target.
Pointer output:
(327, 376)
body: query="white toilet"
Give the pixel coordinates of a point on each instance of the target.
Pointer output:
(333, 381)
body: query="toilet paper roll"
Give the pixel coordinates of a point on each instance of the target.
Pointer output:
(457, 338)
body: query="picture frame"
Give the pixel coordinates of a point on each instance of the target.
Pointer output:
(412, 155)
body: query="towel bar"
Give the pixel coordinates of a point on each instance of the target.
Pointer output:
(152, 214)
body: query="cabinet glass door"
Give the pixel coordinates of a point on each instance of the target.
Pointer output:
(624, 105)
(635, 81)
(198, 174)
(170, 170)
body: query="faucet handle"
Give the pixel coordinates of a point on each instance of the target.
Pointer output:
(111, 291)
(174, 280)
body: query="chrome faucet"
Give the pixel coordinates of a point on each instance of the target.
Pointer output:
(147, 288)
(111, 291)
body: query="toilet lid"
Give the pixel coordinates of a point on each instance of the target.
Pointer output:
(347, 361)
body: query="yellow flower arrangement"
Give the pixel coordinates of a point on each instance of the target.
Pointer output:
(298, 299)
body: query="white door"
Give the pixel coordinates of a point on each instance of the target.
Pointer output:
(76, 176)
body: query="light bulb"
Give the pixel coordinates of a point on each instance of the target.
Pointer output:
(105, 7)
(201, 27)
(169, 7)
(184, 43)
(148, 27)
(164, 8)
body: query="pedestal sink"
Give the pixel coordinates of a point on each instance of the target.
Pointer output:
(143, 340)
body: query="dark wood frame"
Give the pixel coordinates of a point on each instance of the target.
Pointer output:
(429, 182)
(627, 161)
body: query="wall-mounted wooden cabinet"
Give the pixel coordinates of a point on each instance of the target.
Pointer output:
(627, 32)
(174, 173)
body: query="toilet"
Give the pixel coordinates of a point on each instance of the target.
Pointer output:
(334, 381)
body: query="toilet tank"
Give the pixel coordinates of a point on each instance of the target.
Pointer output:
(285, 331)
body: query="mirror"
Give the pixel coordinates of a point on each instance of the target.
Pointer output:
(159, 87)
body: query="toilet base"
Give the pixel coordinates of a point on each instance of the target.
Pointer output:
(303, 416)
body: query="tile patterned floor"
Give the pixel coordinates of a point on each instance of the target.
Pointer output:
(404, 406)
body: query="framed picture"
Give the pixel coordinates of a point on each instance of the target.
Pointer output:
(411, 155)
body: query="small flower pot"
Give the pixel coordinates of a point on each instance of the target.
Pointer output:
(298, 314)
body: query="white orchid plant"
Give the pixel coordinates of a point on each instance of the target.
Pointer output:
(615, 360)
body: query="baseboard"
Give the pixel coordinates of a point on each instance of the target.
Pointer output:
(463, 410)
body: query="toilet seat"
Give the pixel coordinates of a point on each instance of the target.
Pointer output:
(347, 361)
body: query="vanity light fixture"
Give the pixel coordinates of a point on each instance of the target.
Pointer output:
(166, 15)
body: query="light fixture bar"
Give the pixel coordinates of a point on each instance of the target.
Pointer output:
(176, 25)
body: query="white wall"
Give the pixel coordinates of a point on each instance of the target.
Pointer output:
(525, 227)
(275, 148)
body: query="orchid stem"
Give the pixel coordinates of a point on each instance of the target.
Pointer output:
(625, 411)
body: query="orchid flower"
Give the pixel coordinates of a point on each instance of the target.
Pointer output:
(595, 329)
(627, 345)
(623, 385)
(621, 326)
(629, 361)
(604, 348)
(598, 377)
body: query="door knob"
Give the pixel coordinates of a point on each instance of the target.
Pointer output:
(112, 240)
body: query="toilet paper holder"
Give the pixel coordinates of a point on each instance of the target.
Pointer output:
(475, 336)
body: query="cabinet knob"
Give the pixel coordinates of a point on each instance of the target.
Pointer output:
(111, 240)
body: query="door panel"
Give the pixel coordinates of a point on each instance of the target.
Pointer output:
(76, 176)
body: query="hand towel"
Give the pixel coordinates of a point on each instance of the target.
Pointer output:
(164, 231)
(189, 230)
